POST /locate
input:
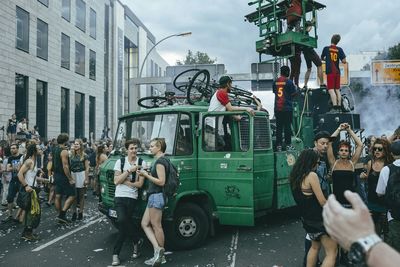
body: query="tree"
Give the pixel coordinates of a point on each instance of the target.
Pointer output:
(197, 58)
(394, 52)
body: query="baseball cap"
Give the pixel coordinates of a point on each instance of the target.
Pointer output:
(395, 148)
(322, 134)
(224, 80)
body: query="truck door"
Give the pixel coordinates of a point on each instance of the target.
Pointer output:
(225, 165)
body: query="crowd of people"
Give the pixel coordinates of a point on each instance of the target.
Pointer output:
(320, 175)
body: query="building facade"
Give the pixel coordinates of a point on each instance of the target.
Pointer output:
(65, 64)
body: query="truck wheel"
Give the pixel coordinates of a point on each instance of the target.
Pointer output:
(189, 228)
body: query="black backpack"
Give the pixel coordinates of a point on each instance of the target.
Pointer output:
(172, 183)
(392, 194)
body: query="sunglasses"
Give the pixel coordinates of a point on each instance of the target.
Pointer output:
(380, 149)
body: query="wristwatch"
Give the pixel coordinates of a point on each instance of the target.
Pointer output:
(359, 250)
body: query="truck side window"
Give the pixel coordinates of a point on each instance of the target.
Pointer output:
(183, 144)
(225, 133)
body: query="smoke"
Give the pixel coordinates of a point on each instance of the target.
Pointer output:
(379, 108)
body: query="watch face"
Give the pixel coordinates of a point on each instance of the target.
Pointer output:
(356, 253)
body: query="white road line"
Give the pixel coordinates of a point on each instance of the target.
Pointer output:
(233, 248)
(67, 234)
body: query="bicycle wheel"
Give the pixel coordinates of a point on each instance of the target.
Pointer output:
(182, 80)
(198, 88)
(153, 102)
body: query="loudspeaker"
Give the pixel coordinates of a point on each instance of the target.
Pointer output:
(330, 122)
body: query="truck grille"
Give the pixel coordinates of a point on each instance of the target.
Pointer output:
(110, 183)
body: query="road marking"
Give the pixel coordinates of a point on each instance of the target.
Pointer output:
(233, 248)
(67, 234)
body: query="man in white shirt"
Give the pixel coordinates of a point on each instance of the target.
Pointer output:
(393, 217)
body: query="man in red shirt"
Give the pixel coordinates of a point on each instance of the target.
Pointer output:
(332, 54)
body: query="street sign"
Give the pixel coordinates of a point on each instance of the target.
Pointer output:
(385, 72)
(344, 73)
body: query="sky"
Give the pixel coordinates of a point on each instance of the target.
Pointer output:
(219, 28)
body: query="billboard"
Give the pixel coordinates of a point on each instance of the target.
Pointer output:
(385, 72)
(344, 73)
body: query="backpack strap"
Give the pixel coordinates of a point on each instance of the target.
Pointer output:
(122, 164)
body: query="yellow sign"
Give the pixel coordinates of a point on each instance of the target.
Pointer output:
(344, 73)
(385, 72)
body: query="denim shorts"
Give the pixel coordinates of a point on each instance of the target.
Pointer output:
(156, 201)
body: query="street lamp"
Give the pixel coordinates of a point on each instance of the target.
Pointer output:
(148, 53)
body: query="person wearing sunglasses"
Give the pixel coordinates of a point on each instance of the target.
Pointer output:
(380, 158)
(343, 171)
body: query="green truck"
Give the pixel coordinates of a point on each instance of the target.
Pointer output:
(229, 173)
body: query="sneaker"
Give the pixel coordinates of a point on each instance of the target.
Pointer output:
(158, 257)
(150, 261)
(74, 217)
(29, 236)
(136, 248)
(115, 260)
(80, 216)
(279, 148)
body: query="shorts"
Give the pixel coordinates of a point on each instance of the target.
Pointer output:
(63, 187)
(311, 56)
(13, 189)
(316, 236)
(333, 81)
(79, 178)
(156, 201)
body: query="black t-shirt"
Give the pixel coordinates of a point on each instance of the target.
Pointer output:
(153, 188)
(15, 162)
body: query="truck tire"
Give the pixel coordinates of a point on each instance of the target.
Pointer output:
(189, 228)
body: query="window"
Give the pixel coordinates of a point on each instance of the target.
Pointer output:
(262, 134)
(22, 39)
(80, 20)
(224, 133)
(42, 39)
(21, 96)
(92, 115)
(41, 107)
(64, 110)
(44, 2)
(65, 51)
(92, 23)
(66, 10)
(183, 144)
(92, 65)
(79, 58)
(79, 115)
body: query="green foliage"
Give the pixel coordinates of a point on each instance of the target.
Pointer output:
(196, 58)
(394, 52)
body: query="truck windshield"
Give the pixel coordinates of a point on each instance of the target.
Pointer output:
(145, 128)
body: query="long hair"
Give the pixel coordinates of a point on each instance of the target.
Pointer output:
(387, 156)
(304, 165)
(100, 150)
(81, 152)
(31, 151)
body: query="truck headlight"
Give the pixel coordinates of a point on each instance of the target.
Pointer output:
(103, 189)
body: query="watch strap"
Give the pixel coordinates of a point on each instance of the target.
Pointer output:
(369, 241)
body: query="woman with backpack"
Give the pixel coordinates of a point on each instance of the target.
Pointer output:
(29, 181)
(151, 221)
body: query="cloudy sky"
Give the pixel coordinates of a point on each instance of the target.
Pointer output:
(219, 28)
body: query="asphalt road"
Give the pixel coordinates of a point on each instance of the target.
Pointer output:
(276, 240)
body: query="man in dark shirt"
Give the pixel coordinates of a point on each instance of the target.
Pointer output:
(65, 184)
(13, 164)
(284, 91)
